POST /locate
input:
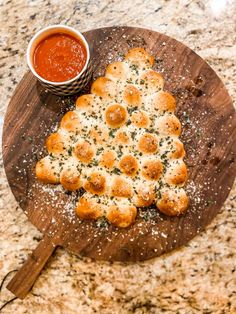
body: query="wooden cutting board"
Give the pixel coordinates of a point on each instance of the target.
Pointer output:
(209, 132)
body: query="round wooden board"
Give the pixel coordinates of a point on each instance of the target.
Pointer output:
(209, 132)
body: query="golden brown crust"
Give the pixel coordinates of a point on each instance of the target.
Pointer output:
(85, 102)
(122, 217)
(140, 57)
(104, 88)
(177, 149)
(116, 71)
(108, 159)
(70, 179)
(146, 196)
(47, 171)
(84, 152)
(55, 144)
(122, 138)
(99, 135)
(132, 96)
(96, 184)
(177, 174)
(88, 209)
(128, 165)
(140, 119)
(164, 101)
(152, 169)
(152, 81)
(116, 115)
(169, 125)
(173, 202)
(121, 188)
(70, 122)
(148, 143)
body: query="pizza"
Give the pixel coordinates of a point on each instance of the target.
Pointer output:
(121, 145)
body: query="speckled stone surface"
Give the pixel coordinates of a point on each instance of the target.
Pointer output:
(198, 278)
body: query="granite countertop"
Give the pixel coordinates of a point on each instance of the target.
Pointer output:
(199, 277)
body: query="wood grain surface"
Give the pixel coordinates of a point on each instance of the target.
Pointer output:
(209, 132)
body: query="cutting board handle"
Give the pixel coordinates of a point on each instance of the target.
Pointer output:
(26, 276)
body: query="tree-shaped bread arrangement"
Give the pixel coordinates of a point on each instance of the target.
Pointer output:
(121, 145)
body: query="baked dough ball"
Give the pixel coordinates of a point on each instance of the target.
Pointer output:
(116, 115)
(177, 149)
(99, 135)
(128, 165)
(176, 173)
(70, 122)
(152, 169)
(116, 71)
(121, 216)
(108, 159)
(104, 88)
(121, 188)
(122, 137)
(164, 102)
(56, 144)
(148, 143)
(169, 125)
(139, 57)
(132, 96)
(89, 209)
(84, 151)
(140, 119)
(173, 202)
(70, 178)
(145, 197)
(96, 183)
(85, 102)
(48, 170)
(151, 81)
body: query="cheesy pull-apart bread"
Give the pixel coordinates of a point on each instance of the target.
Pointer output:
(121, 145)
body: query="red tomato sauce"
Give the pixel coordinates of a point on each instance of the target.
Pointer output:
(59, 57)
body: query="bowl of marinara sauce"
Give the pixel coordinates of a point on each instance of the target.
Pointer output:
(59, 57)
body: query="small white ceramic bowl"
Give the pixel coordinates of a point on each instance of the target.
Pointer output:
(69, 87)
